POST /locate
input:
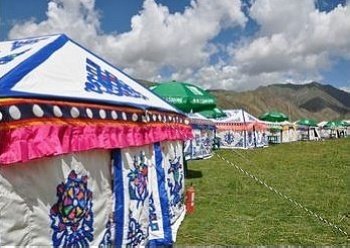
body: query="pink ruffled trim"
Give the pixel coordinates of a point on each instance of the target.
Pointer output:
(27, 143)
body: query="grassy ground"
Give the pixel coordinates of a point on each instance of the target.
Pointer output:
(233, 209)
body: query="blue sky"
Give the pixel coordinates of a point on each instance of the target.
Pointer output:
(228, 44)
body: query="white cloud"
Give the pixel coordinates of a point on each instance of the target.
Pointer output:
(294, 42)
(295, 39)
(157, 38)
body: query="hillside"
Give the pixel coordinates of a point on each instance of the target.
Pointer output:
(314, 100)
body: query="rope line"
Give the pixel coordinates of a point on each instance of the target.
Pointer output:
(283, 195)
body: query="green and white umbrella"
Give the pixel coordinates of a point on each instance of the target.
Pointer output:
(307, 122)
(274, 116)
(186, 97)
(213, 113)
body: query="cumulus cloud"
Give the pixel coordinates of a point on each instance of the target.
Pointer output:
(294, 41)
(295, 38)
(157, 38)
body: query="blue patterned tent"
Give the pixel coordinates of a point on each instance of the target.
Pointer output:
(71, 124)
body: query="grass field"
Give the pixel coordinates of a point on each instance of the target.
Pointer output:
(234, 209)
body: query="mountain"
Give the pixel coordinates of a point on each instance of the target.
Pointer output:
(313, 100)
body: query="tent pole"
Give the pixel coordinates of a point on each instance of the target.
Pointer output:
(245, 131)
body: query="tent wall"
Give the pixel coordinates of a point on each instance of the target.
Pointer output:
(201, 145)
(149, 194)
(289, 134)
(309, 133)
(60, 201)
(325, 133)
(148, 198)
(241, 139)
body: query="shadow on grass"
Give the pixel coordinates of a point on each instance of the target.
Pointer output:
(191, 174)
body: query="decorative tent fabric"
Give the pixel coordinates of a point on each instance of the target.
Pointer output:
(203, 131)
(64, 114)
(149, 187)
(240, 130)
(63, 201)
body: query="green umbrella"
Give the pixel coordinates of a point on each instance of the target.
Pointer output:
(273, 116)
(213, 113)
(345, 123)
(307, 122)
(334, 124)
(185, 96)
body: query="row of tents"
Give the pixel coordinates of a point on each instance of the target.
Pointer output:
(89, 157)
(236, 128)
(242, 130)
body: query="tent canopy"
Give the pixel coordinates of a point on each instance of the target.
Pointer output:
(59, 98)
(185, 96)
(239, 120)
(55, 67)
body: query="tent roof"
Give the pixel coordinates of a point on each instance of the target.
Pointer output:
(198, 119)
(237, 116)
(55, 67)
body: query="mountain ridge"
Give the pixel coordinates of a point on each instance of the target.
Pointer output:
(312, 100)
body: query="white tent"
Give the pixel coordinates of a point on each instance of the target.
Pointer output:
(325, 133)
(289, 132)
(240, 130)
(203, 130)
(87, 155)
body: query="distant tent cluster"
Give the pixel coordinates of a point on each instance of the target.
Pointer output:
(236, 128)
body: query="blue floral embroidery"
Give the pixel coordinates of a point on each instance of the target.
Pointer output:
(138, 180)
(107, 237)
(72, 216)
(175, 187)
(229, 138)
(135, 234)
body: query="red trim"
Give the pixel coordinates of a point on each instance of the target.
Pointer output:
(32, 142)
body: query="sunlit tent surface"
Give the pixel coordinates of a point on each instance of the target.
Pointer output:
(240, 130)
(288, 132)
(201, 145)
(187, 97)
(87, 155)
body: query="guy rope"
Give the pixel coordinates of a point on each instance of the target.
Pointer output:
(313, 214)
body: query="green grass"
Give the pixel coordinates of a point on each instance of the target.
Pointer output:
(233, 209)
